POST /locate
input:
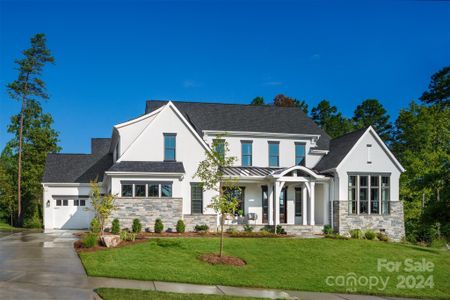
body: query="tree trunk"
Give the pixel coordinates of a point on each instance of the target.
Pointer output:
(221, 235)
(19, 162)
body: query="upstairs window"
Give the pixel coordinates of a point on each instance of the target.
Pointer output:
(274, 154)
(299, 154)
(246, 157)
(219, 147)
(169, 146)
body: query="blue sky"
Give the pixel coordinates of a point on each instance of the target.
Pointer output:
(111, 56)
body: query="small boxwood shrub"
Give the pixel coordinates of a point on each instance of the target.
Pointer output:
(137, 226)
(115, 227)
(370, 234)
(159, 226)
(280, 230)
(268, 228)
(248, 228)
(180, 226)
(127, 236)
(382, 237)
(327, 229)
(356, 234)
(90, 240)
(95, 226)
(231, 230)
(201, 228)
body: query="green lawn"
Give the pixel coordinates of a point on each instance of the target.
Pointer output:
(5, 226)
(297, 264)
(129, 294)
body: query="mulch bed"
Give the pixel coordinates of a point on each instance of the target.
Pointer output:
(216, 259)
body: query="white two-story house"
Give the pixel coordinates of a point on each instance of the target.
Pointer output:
(289, 171)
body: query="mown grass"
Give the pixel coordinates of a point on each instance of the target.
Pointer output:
(5, 226)
(296, 264)
(131, 294)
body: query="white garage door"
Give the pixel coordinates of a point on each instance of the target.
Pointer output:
(71, 213)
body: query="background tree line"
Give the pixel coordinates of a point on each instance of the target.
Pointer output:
(419, 138)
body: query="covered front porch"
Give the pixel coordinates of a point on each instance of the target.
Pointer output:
(281, 196)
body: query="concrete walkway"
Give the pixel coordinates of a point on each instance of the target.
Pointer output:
(45, 266)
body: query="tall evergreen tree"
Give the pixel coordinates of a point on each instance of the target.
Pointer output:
(258, 101)
(371, 112)
(439, 89)
(329, 119)
(28, 88)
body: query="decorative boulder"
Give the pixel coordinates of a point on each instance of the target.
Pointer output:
(111, 241)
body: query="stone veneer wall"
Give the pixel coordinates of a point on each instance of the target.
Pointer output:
(209, 219)
(147, 210)
(393, 223)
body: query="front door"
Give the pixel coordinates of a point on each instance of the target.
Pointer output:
(265, 204)
(283, 205)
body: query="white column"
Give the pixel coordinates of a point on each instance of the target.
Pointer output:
(276, 203)
(270, 203)
(312, 202)
(326, 203)
(304, 197)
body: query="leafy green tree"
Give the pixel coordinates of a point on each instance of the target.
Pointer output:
(422, 145)
(329, 119)
(285, 101)
(103, 205)
(439, 89)
(7, 195)
(372, 113)
(28, 87)
(210, 172)
(258, 101)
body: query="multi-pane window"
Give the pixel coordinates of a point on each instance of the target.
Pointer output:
(299, 154)
(169, 146)
(58, 202)
(274, 154)
(368, 194)
(146, 189)
(246, 149)
(79, 202)
(298, 202)
(352, 202)
(139, 190)
(196, 198)
(363, 195)
(219, 147)
(127, 190)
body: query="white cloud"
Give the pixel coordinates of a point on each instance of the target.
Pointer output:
(273, 83)
(315, 56)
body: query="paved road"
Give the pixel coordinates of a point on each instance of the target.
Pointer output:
(41, 266)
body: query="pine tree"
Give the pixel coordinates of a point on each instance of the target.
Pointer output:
(372, 113)
(329, 119)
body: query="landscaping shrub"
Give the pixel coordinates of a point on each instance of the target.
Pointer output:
(95, 226)
(268, 228)
(327, 229)
(159, 226)
(33, 222)
(231, 230)
(180, 226)
(382, 237)
(90, 240)
(127, 236)
(115, 227)
(370, 234)
(356, 234)
(248, 228)
(137, 226)
(201, 228)
(280, 230)
(123, 235)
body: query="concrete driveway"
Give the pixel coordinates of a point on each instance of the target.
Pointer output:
(41, 266)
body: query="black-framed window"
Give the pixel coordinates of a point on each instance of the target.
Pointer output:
(76, 202)
(58, 202)
(219, 145)
(139, 190)
(299, 154)
(65, 202)
(298, 202)
(246, 151)
(170, 146)
(153, 190)
(196, 198)
(369, 194)
(127, 190)
(274, 154)
(166, 189)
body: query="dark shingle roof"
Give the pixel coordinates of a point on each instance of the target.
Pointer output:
(339, 147)
(148, 166)
(79, 168)
(239, 117)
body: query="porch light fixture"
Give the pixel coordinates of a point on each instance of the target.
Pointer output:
(48, 203)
